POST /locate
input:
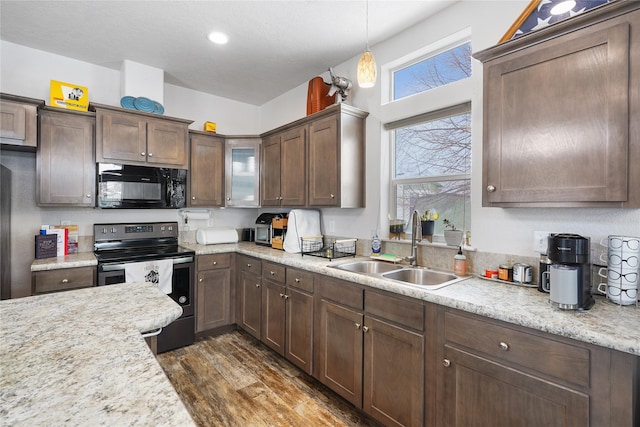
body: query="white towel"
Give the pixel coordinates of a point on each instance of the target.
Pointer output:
(159, 272)
(302, 223)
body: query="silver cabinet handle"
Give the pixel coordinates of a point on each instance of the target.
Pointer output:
(297, 280)
(193, 197)
(446, 363)
(504, 346)
(88, 196)
(286, 296)
(257, 285)
(65, 280)
(143, 153)
(281, 295)
(273, 273)
(365, 328)
(150, 154)
(332, 196)
(201, 280)
(357, 325)
(215, 262)
(249, 265)
(491, 188)
(228, 198)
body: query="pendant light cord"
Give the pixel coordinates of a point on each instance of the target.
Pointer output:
(367, 26)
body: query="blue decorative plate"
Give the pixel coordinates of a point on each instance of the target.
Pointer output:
(127, 102)
(159, 109)
(144, 104)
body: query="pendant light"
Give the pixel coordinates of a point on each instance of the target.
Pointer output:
(367, 63)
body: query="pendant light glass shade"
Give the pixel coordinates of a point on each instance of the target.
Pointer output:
(367, 70)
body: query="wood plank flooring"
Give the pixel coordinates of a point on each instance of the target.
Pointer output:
(234, 380)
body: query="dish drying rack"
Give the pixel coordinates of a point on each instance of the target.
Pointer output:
(327, 248)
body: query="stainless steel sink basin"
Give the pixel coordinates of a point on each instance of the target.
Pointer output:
(368, 267)
(421, 277)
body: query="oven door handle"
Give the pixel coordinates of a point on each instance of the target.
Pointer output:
(121, 265)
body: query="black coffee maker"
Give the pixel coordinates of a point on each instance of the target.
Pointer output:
(572, 251)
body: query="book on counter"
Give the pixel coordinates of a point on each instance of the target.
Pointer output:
(46, 246)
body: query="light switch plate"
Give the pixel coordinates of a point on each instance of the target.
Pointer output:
(540, 241)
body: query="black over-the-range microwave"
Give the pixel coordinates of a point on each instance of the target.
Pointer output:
(140, 187)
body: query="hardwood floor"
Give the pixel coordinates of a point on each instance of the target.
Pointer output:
(234, 380)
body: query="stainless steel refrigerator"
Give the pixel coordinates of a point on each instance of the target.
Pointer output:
(5, 233)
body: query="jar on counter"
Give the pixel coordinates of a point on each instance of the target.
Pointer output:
(505, 272)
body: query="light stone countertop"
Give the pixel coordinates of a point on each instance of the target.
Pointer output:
(78, 358)
(606, 324)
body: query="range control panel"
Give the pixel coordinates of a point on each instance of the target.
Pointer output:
(123, 232)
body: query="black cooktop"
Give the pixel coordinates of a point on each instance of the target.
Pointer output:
(142, 254)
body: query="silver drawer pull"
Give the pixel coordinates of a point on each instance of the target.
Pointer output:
(273, 273)
(193, 197)
(65, 280)
(281, 295)
(249, 265)
(446, 363)
(297, 280)
(257, 285)
(357, 325)
(215, 262)
(143, 153)
(491, 188)
(150, 154)
(504, 346)
(365, 328)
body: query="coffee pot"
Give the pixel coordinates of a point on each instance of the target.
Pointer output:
(569, 276)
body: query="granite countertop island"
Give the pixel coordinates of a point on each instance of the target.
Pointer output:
(78, 358)
(606, 324)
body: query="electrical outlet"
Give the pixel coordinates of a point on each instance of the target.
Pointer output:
(540, 239)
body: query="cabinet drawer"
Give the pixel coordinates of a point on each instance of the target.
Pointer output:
(544, 355)
(300, 279)
(342, 292)
(250, 265)
(273, 272)
(63, 279)
(398, 310)
(213, 261)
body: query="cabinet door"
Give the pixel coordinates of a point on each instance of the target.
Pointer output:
(242, 172)
(214, 299)
(557, 120)
(340, 352)
(167, 144)
(271, 157)
(324, 162)
(206, 174)
(66, 166)
(293, 168)
(123, 137)
(250, 303)
(273, 312)
(393, 374)
(299, 328)
(479, 392)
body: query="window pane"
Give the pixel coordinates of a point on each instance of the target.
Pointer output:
(446, 67)
(451, 199)
(435, 148)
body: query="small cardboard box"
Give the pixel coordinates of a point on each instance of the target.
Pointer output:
(46, 246)
(69, 95)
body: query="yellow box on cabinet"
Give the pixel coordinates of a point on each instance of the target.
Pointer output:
(69, 95)
(209, 127)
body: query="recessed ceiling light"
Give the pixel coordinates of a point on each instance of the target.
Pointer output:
(563, 7)
(218, 37)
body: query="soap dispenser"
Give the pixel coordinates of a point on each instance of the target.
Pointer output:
(460, 263)
(375, 244)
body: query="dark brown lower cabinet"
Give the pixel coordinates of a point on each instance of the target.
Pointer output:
(481, 392)
(340, 347)
(250, 289)
(299, 329)
(214, 292)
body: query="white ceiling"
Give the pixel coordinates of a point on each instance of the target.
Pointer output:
(274, 45)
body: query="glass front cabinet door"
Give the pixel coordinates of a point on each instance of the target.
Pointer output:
(242, 172)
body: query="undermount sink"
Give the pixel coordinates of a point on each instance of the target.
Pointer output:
(368, 267)
(412, 276)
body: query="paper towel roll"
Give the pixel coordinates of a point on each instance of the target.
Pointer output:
(216, 235)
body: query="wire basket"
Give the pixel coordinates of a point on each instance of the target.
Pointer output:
(317, 246)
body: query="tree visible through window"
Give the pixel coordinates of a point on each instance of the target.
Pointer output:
(432, 151)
